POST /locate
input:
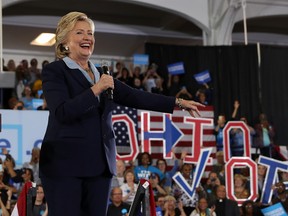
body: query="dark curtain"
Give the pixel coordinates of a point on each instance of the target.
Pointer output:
(234, 71)
(274, 79)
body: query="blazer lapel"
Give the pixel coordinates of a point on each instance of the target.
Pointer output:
(80, 78)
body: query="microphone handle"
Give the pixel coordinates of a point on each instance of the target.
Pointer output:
(109, 91)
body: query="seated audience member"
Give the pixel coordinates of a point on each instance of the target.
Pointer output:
(210, 187)
(12, 102)
(27, 99)
(264, 137)
(281, 195)
(219, 167)
(19, 106)
(118, 180)
(161, 164)
(224, 206)
(249, 208)
(218, 132)
(260, 179)
(150, 77)
(155, 184)
(137, 83)
(283, 176)
(34, 71)
(184, 93)
(137, 72)
(159, 202)
(188, 204)
(11, 66)
(170, 207)
(34, 164)
(202, 209)
(129, 187)
(9, 176)
(204, 94)
(119, 65)
(145, 168)
(126, 76)
(237, 135)
(117, 207)
(240, 190)
(40, 205)
(44, 63)
(201, 97)
(158, 89)
(173, 85)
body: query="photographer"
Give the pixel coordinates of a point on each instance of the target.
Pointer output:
(210, 187)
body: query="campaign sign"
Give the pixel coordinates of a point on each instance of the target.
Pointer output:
(36, 102)
(274, 210)
(141, 59)
(203, 77)
(176, 68)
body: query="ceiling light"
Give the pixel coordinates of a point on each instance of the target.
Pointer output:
(44, 39)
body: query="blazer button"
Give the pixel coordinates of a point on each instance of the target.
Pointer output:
(104, 136)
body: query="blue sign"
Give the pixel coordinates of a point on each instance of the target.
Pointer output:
(203, 77)
(274, 210)
(141, 59)
(36, 103)
(176, 68)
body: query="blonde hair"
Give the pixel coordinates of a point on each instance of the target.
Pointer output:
(169, 197)
(65, 25)
(219, 153)
(243, 178)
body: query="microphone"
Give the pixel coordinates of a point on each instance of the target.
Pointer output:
(109, 91)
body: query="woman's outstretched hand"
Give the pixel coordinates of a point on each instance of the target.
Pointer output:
(190, 106)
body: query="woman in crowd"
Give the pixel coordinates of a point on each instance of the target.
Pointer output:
(202, 209)
(40, 205)
(129, 187)
(145, 167)
(240, 189)
(171, 209)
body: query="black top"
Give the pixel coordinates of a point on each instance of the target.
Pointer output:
(117, 210)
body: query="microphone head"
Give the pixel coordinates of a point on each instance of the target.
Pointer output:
(105, 67)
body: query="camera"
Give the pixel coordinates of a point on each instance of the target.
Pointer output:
(19, 107)
(213, 179)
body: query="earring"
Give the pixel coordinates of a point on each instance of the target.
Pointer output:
(66, 48)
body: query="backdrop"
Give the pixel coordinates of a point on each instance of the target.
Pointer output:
(235, 74)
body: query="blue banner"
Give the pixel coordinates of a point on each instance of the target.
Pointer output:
(274, 210)
(203, 77)
(36, 103)
(141, 59)
(176, 68)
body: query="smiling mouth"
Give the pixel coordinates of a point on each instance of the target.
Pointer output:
(85, 46)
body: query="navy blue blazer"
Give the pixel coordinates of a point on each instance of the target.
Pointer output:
(79, 140)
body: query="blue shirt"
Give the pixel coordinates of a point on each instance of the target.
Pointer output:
(142, 172)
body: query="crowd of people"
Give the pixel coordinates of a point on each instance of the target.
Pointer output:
(29, 84)
(13, 180)
(210, 197)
